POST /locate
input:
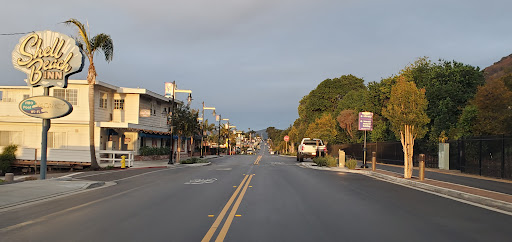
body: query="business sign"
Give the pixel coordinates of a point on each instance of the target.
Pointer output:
(48, 58)
(169, 89)
(366, 121)
(45, 107)
(145, 113)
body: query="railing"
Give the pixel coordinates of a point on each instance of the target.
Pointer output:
(108, 156)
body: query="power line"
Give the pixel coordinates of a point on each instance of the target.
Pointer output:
(18, 33)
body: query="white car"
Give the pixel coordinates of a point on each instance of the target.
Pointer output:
(250, 151)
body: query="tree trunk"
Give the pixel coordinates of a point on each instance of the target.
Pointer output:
(91, 79)
(407, 139)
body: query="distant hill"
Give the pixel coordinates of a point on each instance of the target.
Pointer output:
(262, 133)
(500, 70)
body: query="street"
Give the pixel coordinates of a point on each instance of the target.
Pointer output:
(258, 197)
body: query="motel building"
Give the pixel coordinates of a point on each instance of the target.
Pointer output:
(126, 119)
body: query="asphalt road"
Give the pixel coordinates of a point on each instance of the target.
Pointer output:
(251, 198)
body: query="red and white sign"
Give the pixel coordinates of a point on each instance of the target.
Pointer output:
(286, 138)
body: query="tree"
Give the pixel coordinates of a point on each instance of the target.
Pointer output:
(494, 102)
(89, 46)
(449, 87)
(323, 128)
(406, 110)
(185, 122)
(348, 121)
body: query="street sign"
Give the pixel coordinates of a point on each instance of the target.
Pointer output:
(286, 138)
(45, 107)
(366, 121)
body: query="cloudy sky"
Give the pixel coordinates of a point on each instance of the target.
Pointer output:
(255, 59)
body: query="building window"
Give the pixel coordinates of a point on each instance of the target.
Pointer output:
(6, 98)
(10, 137)
(70, 95)
(103, 99)
(57, 140)
(119, 104)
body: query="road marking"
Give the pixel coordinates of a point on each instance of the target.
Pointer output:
(238, 215)
(211, 215)
(223, 232)
(217, 221)
(257, 161)
(65, 211)
(201, 181)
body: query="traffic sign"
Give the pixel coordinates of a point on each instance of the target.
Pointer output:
(286, 138)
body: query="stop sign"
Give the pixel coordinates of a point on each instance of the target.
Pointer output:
(286, 138)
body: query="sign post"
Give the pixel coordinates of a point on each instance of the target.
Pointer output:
(365, 123)
(48, 58)
(286, 139)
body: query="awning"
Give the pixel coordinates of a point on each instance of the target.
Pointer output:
(157, 136)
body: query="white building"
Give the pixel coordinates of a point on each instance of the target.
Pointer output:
(125, 119)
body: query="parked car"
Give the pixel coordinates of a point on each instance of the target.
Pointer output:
(310, 148)
(250, 151)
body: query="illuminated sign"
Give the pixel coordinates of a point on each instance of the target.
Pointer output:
(48, 58)
(45, 107)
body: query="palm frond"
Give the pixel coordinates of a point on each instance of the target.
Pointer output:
(83, 34)
(104, 43)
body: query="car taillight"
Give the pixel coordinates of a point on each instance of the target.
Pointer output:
(302, 148)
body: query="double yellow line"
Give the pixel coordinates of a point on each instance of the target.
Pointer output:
(223, 232)
(257, 161)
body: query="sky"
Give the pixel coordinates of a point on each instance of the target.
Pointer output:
(254, 60)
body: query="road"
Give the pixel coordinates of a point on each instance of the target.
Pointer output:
(251, 198)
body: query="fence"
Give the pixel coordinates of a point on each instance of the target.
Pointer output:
(115, 155)
(486, 156)
(387, 152)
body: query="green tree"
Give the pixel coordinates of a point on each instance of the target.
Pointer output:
(90, 46)
(449, 86)
(323, 128)
(406, 110)
(185, 122)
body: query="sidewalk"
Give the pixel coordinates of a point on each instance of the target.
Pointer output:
(496, 201)
(23, 193)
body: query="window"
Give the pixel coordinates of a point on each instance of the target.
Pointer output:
(70, 95)
(5, 97)
(57, 140)
(10, 137)
(103, 99)
(119, 104)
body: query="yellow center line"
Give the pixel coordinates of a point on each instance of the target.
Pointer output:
(229, 220)
(216, 224)
(257, 161)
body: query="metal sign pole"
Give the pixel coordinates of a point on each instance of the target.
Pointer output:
(44, 141)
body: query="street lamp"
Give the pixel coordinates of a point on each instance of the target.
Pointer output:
(202, 126)
(170, 90)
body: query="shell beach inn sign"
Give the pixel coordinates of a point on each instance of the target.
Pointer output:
(48, 58)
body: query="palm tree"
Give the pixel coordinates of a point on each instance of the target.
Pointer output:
(100, 42)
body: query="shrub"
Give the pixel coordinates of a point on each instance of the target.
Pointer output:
(145, 150)
(7, 157)
(351, 164)
(325, 161)
(193, 160)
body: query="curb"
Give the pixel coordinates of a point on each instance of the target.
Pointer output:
(501, 205)
(85, 187)
(479, 200)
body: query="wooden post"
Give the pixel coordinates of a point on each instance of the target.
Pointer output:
(374, 160)
(422, 167)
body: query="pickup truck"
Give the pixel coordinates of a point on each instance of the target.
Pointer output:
(310, 148)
